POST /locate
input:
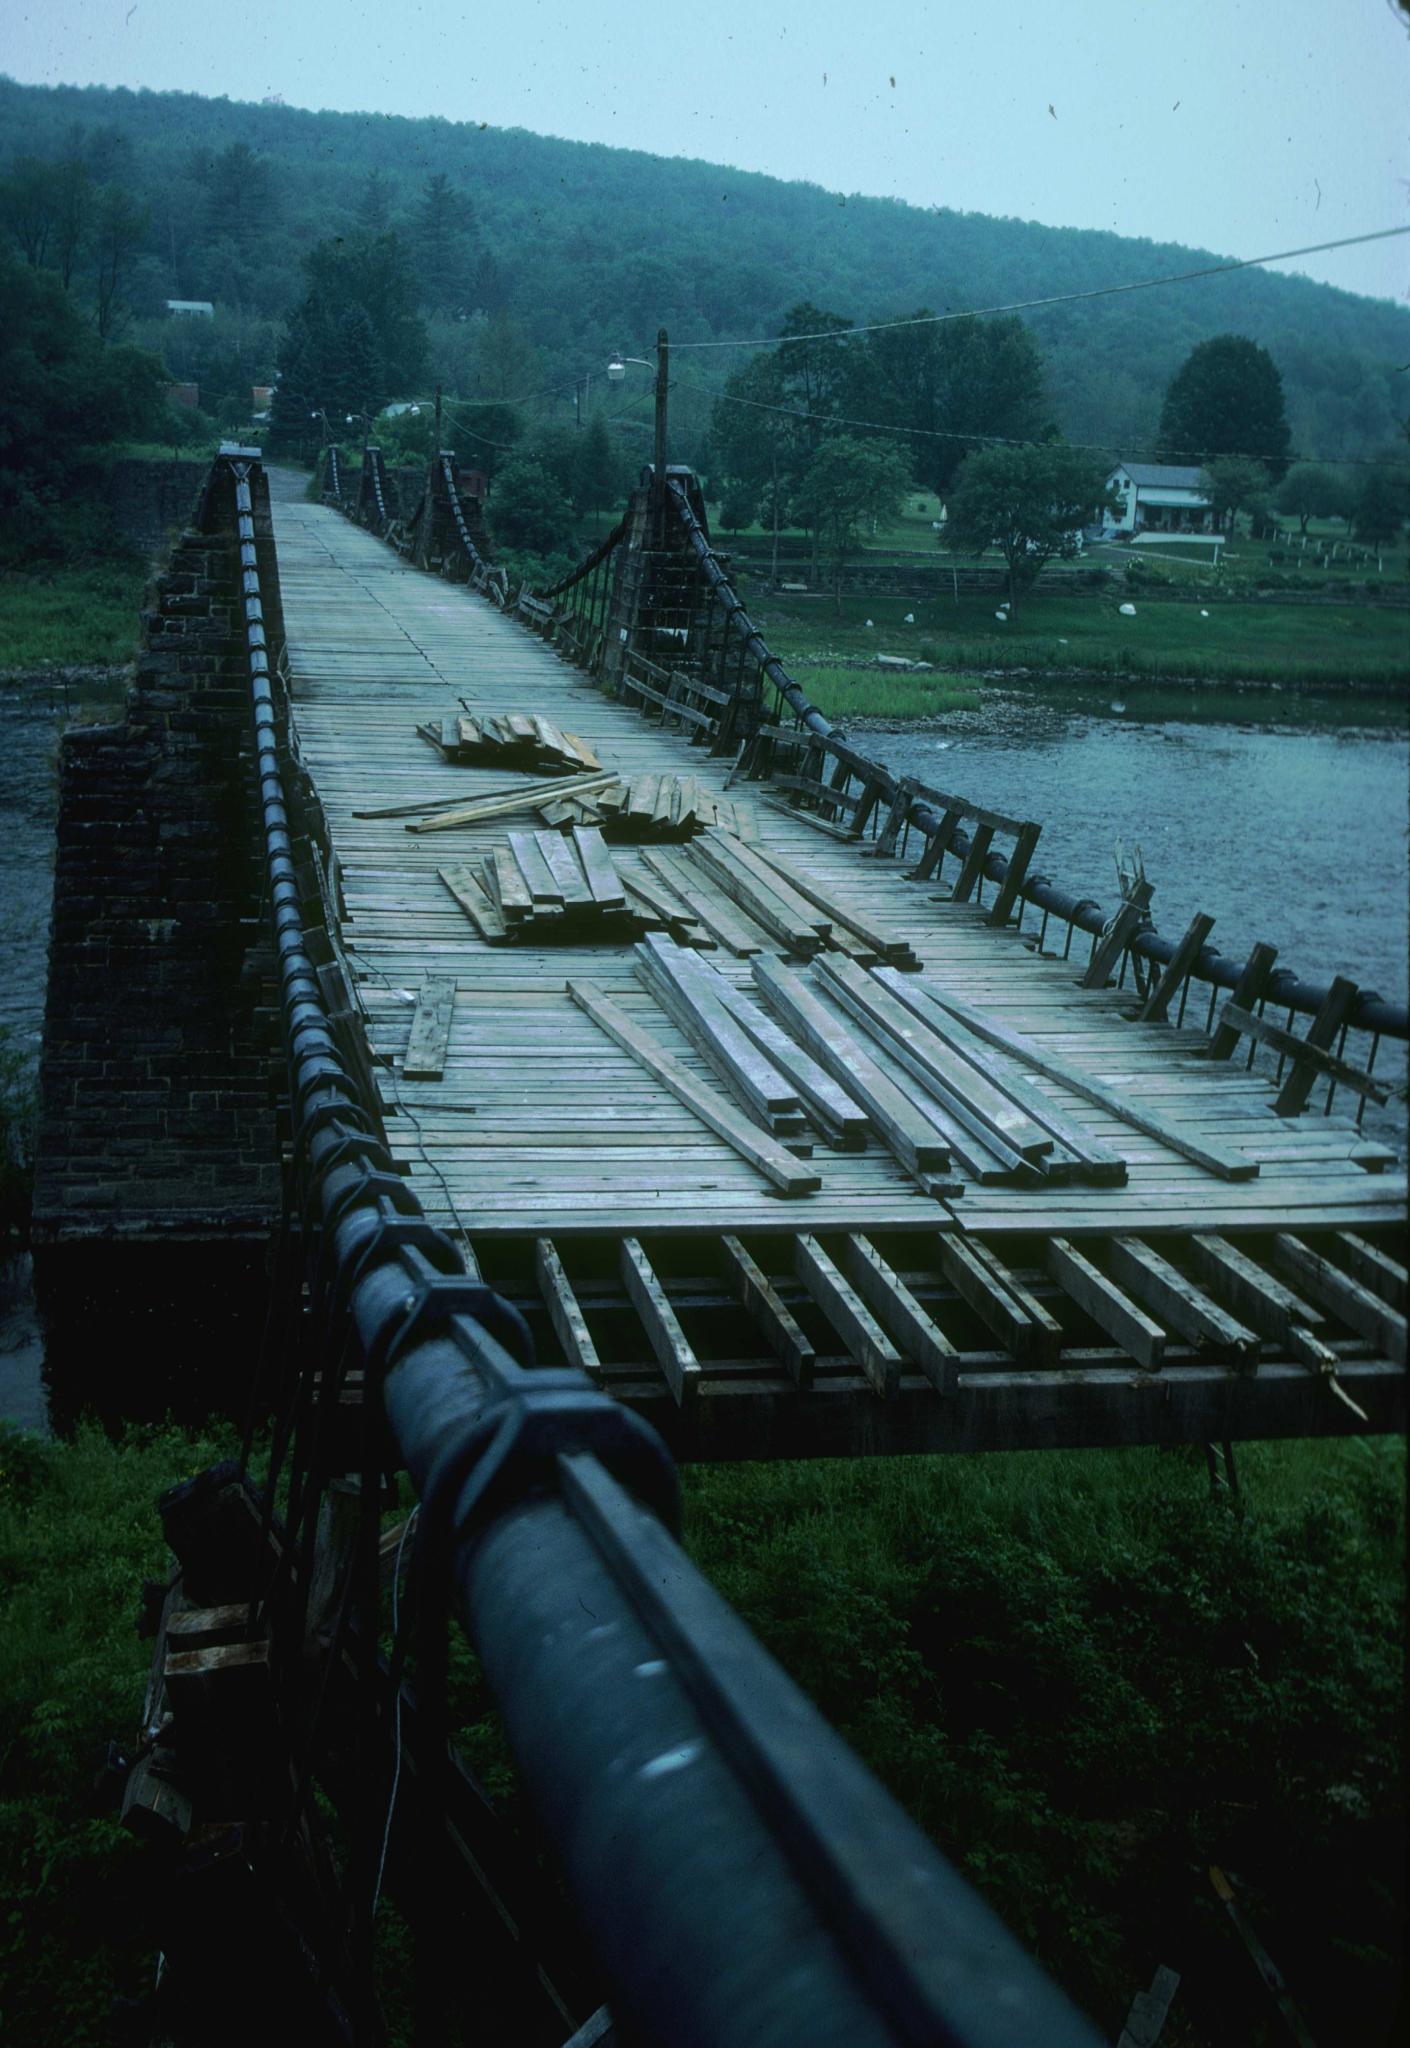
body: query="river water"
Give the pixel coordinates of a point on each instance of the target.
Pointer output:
(1284, 817)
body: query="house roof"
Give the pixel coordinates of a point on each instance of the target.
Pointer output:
(1163, 476)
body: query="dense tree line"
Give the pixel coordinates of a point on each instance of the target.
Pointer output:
(556, 252)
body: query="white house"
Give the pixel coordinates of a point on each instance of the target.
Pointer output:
(1158, 497)
(191, 309)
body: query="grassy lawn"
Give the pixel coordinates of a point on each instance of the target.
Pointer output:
(70, 617)
(1086, 1678)
(1245, 642)
(863, 693)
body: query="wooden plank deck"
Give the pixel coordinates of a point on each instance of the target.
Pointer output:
(538, 1123)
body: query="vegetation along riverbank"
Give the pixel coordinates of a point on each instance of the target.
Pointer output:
(1084, 1673)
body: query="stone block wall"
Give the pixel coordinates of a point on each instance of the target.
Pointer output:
(157, 1120)
(149, 501)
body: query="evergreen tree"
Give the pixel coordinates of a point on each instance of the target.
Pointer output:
(1226, 399)
(596, 470)
(374, 206)
(240, 195)
(444, 244)
(356, 381)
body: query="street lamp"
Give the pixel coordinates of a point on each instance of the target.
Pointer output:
(617, 370)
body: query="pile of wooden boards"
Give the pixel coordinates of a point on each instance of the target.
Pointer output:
(544, 885)
(510, 739)
(659, 808)
(777, 1083)
(796, 916)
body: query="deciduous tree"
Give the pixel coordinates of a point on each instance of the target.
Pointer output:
(1234, 485)
(1030, 503)
(1226, 399)
(1311, 490)
(847, 485)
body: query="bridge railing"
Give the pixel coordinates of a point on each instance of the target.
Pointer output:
(1122, 943)
(739, 1874)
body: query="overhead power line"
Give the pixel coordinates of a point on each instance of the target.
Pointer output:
(834, 419)
(1102, 291)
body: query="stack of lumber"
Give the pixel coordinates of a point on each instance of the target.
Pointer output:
(442, 814)
(795, 915)
(901, 1119)
(997, 1135)
(512, 739)
(773, 1079)
(980, 1029)
(648, 808)
(541, 885)
(786, 1174)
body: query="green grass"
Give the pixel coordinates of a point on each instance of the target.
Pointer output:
(871, 693)
(1088, 1680)
(77, 1536)
(71, 617)
(1084, 1676)
(1327, 644)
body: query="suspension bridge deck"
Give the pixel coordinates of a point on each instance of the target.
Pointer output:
(541, 1127)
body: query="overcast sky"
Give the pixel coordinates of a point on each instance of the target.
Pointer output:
(1242, 126)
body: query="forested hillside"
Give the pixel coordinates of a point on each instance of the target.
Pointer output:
(538, 256)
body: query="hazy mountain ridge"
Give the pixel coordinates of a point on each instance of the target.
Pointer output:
(594, 247)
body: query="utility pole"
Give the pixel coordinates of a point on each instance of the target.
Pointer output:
(438, 424)
(662, 386)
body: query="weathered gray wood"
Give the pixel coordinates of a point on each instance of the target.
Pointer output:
(602, 878)
(1255, 1296)
(758, 1294)
(709, 906)
(842, 1121)
(902, 1125)
(863, 1336)
(1347, 1299)
(1339, 1003)
(976, 1283)
(834, 911)
(509, 887)
(1016, 874)
(1374, 1269)
(989, 1111)
(1227, 1165)
(786, 1173)
(561, 860)
(1303, 1053)
(667, 1339)
(1252, 981)
(564, 1313)
(430, 1031)
(1157, 1003)
(1096, 1163)
(1110, 945)
(1185, 1307)
(900, 1315)
(764, 905)
(669, 972)
(543, 884)
(1149, 2011)
(936, 847)
(517, 800)
(1111, 1310)
(973, 867)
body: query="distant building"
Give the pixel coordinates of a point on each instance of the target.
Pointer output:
(195, 309)
(262, 397)
(1158, 497)
(187, 396)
